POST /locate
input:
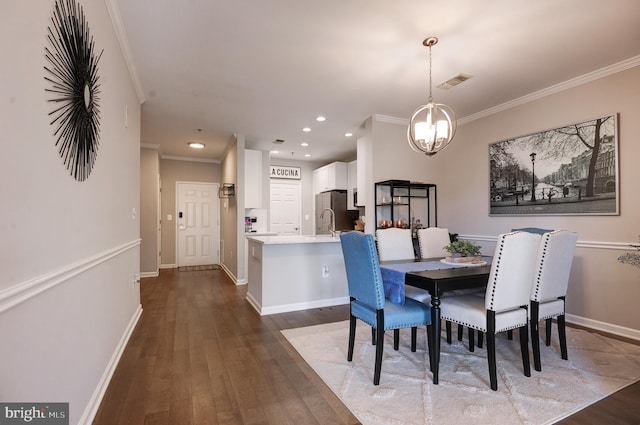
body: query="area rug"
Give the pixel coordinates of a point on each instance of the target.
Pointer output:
(597, 367)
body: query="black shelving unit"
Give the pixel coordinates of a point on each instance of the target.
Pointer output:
(404, 200)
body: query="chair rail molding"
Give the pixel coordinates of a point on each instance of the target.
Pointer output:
(621, 246)
(21, 292)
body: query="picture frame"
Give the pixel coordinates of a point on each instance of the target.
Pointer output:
(572, 169)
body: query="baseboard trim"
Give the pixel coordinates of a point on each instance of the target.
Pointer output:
(21, 292)
(228, 272)
(150, 274)
(168, 266)
(285, 308)
(94, 402)
(621, 331)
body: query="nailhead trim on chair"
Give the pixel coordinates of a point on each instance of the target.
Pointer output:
(377, 276)
(484, 330)
(545, 243)
(496, 262)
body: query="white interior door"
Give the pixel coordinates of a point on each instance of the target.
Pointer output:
(198, 224)
(285, 207)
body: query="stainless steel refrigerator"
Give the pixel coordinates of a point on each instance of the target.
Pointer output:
(337, 201)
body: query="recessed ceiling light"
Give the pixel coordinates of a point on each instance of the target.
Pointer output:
(306, 129)
(275, 152)
(320, 118)
(307, 155)
(196, 145)
(304, 144)
(348, 134)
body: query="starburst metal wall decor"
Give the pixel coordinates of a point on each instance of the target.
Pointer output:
(72, 77)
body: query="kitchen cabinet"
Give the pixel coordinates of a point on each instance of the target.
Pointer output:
(330, 177)
(252, 179)
(289, 273)
(401, 202)
(352, 184)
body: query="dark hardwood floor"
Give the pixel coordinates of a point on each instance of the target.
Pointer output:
(201, 355)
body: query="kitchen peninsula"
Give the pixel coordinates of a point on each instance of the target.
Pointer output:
(289, 273)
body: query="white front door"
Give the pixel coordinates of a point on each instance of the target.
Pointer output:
(198, 225)
(285, 207)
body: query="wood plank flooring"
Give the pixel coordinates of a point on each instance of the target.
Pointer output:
(201, 355)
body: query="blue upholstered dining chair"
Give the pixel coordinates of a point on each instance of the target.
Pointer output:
(368, 302)
(549, 289)
(506, 300)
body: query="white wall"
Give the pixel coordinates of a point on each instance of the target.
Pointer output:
(603, 292)
(70, 250)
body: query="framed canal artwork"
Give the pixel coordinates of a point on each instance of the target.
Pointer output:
(570, 170)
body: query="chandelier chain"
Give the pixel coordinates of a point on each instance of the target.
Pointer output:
(430, 85)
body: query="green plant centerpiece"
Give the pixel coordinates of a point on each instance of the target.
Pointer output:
(463, 251)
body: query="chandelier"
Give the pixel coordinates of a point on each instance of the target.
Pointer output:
(433, 125)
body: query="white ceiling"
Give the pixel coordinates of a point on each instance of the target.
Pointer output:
(266, 69)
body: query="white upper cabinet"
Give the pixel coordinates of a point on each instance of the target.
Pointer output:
(330, 177)
(252, 179)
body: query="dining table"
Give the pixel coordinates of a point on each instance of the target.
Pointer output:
(436, 276)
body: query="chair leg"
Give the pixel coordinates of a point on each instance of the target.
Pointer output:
(447, 325)
(491, 349)
(460, 332)
(509, 334)
(373, 335)
(547, 328)
(472, 344)
(379, 346)
(562, 334)
(535, 334)
(524, 347)
(414, 336)
(396, 339)
(480, 338)
(352, 336)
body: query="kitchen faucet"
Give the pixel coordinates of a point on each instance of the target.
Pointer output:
(332, 229)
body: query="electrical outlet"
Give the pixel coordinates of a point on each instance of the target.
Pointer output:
(325, 271)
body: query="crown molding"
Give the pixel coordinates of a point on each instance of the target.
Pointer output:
(121, 35)
(577, 81)
(582, 79)
(150, 146)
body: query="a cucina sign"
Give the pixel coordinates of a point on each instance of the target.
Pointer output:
(280, 172)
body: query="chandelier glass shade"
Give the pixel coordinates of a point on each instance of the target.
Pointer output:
(433, 125)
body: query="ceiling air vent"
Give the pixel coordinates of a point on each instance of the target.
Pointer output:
(278, 142)
(460, 78)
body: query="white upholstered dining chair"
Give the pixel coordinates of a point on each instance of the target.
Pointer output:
(432, 241)
(549, 289)
(396, 244)
(506, 300)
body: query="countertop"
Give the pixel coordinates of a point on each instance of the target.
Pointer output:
(293, 239)
(260, 234)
